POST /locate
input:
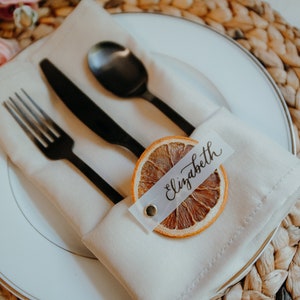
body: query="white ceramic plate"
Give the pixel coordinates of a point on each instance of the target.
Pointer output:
(40, 256)
(289, 9)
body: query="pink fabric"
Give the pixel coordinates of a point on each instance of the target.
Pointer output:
(9, 2)
(8, 48)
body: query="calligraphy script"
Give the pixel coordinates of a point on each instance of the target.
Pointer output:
(198, 162)
(182, 179)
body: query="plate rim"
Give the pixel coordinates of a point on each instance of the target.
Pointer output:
(245, 51)
(15, 290)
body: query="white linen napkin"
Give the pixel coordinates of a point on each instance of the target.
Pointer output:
(262, 187)
(262, 176)
(67, 48)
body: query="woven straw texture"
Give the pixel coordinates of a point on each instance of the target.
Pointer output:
(276, 44)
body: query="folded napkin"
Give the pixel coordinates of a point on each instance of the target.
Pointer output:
(67, 48)
(263, 184)
(263, 177)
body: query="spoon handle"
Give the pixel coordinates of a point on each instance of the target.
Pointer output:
(169, 112)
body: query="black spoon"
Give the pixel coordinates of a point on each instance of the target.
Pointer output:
(123, 74)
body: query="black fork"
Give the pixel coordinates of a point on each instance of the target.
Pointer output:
(53, 142)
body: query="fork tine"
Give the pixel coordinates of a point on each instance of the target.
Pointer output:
(31, 118)
(42, 112)
(20, 121)
(42, 122)
(36, 117)
(23, 116)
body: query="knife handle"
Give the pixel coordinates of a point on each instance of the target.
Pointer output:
(131, 144)
(98, 181)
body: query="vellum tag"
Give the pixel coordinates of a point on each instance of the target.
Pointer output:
(181, 180)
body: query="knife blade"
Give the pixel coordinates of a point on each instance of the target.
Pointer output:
(87, 111)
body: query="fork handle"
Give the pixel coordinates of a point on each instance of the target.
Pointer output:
(95, 178)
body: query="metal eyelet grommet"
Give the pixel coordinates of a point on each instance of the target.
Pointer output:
(151, 210)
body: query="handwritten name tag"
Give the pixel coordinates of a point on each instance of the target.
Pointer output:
(181, 180)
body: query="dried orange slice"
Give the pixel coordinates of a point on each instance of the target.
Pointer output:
(196, 212)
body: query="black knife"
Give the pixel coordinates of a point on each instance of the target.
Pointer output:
(87, 111)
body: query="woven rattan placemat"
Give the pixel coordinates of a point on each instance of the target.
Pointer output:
(276, 44)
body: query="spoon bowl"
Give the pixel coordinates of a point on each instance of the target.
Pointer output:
(122, 73)
(117, 69)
